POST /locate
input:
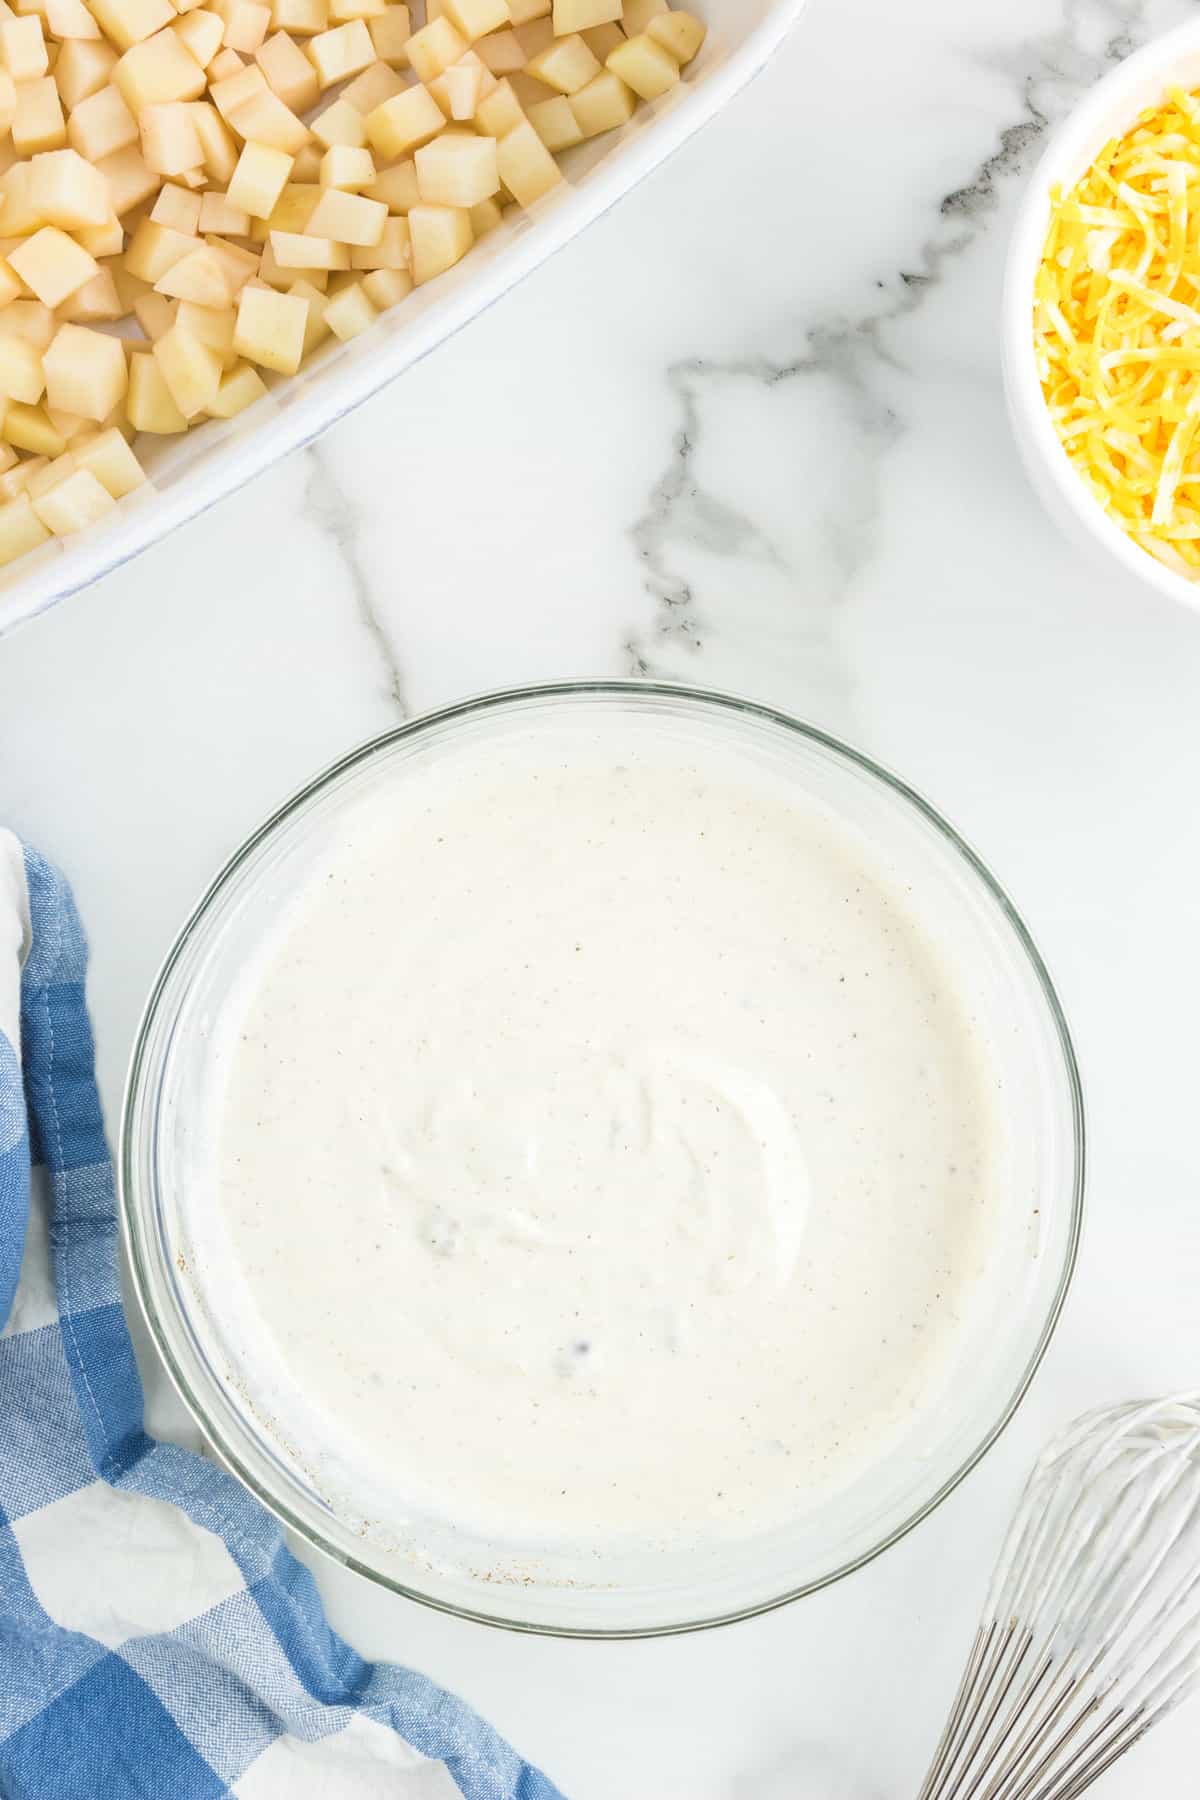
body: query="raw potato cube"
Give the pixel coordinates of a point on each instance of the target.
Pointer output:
(28, 319)
(216, 141)
(267, 120)
(387, 287)
(101, 240)
(82, 69)
(228, 93)
(302, 18)
(29, 428)
(96, 299)
(158, 70)
(85, 372)
(129, 179)
(396, 187)
(212, 325)
(246, 25)
(499, 112)
(201, 277)
(297, 250)
(475, 18)
(340, 123)
(578, 15)
(393, 251)
(259, 179)
(295, 207)
(441, 236)
(501, 51)
(191, 370)
(155, 314)
(315, 328)
(50, 473)
(289, 72)
(101, 124)
(11, 286)
(201, 33)
(527, 168)
(38, 121)
(457, 169)
(170, 144)
(65, 190)
(23, 48)
(390, 33)
(343, 167)
(109, 458)
(350, 312)
(127, 22)
(645, 67)
(523, 12)
(459, 91)
(307, 166)
(78, 500)
(603, 104)
(148, 402)
(341, 11)
(154, 248)
(601, 40)
(270, 329)
(21, 374)
(432, 49)
(555, 123)
(485, 217)
(370, 89)
(19, 473)
(638, 14)
(341, 52)
(20, 529)
(52, 264)
(240, 387)
(218, 213)
(568, 65)
(679, 33)
(349, 218)
(177, 208)
(404, 122)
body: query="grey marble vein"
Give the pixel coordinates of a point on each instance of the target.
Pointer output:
(856, 353)
(332, 510)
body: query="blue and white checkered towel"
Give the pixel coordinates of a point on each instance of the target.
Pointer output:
(157, 1640)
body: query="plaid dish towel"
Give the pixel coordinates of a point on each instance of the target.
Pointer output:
(157, 1639)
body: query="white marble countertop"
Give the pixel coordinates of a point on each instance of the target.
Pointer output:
(749, 432)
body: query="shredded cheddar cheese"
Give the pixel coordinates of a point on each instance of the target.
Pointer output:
(1116, 322)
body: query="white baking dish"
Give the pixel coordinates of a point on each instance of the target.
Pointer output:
(188, 474)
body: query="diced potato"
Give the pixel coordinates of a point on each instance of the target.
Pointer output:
(602, 39)
(265, 119)
(536, 37)
(201, 33)
(259, 179)
(246, 25)
(441, 236)
(350, 311)
(242, 265)
(340, 52)
(127, 22)
(170, 144)
(302, 18)
(390, 32)
(240, 387)
(11, 287)
(341, 11)
(459, 91)
(85, 371)
(387, 287)
(101, 240)
(178, 208)
(297, 250)
(148, 402)
(603, 104)
(52, 265)
(523, 12)
(109, 458)
(393, 251)
(191, 370)
(556, 124)
(637, 14)
(101, 124)
(527, 168)
(289, 72)
(211, 324)
(38, 122)
(343, 167)
(348, 218)
(295, 207)
(30, 320)
(65, 190)
(20, 529)
(155, 314)
(71, 504)
(404, 122)
(157, 70)
(578, 15)
(83, 69)
(23, 48)
(475, 18)
(230, 91)
(485, 217)
(342, 124)
(50, 473)
(218, 213)
(501, 51)
(457, 169)
(201, 277)
(130, 179)
(679, 33)
(29, 428)
(153, 249)
(376, 84)
(645, 67)
(216, 141)
(96, 299)
(21, 374)
(396, 187)
(315, 328)
(432, 49)
(566, 66)
(270, 329)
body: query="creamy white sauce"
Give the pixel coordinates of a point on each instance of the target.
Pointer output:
(605, 1152)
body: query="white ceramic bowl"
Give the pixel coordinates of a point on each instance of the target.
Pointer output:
(188, 474)
(1173, 59)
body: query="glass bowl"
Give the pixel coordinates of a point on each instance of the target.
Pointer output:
(1000, 977)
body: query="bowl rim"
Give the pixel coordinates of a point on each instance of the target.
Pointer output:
(137, 1238)
(1078, 135)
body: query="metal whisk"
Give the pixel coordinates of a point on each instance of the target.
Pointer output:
(1091, 1631)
